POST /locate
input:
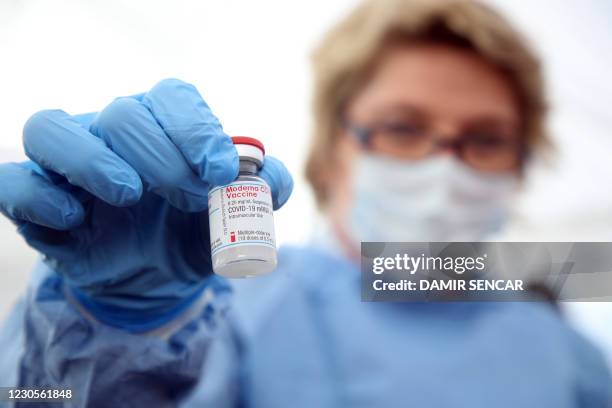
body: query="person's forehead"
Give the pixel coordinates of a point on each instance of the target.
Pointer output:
(439, 79)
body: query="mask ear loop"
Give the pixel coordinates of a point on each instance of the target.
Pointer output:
(362, 135)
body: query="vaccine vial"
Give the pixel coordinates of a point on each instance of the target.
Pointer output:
(242, 240)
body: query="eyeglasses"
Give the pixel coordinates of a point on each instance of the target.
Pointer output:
(483, 150)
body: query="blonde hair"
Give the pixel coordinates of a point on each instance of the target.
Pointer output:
(349, 50)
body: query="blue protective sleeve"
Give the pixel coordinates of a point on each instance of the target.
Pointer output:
(593, 378)
(11, 346)
(108, 367)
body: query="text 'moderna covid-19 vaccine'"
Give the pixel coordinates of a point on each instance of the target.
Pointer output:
(242, 240)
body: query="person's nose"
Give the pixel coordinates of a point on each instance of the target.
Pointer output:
(445, 137)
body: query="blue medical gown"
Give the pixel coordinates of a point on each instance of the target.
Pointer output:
(301, 337)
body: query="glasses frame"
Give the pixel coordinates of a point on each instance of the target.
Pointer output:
(363, 135)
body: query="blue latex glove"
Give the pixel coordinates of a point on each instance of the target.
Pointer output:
(116, 202)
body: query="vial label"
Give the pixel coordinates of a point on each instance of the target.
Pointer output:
(240, 213)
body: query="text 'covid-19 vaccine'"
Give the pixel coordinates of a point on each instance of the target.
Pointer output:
(241, 220)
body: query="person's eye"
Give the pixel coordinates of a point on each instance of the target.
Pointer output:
(403, 129)
(488, 141)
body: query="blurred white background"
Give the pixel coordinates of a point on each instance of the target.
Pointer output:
(250, 61)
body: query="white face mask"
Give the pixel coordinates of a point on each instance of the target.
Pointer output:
(435, 199)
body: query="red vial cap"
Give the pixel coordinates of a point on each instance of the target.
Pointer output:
(249, 141)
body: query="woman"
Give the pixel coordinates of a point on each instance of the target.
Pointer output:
(426, 113)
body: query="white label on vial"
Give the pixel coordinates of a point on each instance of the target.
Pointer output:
(240, 213)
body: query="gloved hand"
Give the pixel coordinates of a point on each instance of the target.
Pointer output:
(116, 201)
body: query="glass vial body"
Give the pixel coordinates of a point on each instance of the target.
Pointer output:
(242, 237)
